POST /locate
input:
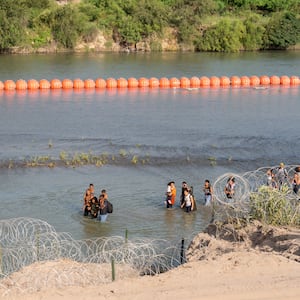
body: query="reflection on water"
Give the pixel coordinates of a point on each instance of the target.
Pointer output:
(116, 65)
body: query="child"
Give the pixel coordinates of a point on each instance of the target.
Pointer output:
(169, 196)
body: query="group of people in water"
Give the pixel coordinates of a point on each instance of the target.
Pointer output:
(99, 208)
(276, 178)
(96, 208)
(187, 198)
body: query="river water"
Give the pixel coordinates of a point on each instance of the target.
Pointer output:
(146, 137)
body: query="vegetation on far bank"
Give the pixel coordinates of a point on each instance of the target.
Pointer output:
(148, 25)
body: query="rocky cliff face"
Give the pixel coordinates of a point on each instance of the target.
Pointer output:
(102, 42)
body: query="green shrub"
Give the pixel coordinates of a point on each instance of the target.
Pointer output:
(67, 24)
(155, 46)
(263, 5)
(282, 31)
(253, 37)
(226, 36)
(275, 207)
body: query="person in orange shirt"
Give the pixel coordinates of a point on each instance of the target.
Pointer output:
(173, 193)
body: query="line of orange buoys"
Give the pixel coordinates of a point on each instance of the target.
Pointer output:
(153, 82)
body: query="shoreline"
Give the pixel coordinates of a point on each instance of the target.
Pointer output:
(252, 262)
(94, 48)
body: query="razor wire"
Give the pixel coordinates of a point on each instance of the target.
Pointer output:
(248, 183)
(26, 241)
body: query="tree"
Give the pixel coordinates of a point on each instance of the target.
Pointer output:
(129, 31)
(226, 36)
(282, 31)
(253, 37)
(66, 24)
(152, 16)
(13, 21)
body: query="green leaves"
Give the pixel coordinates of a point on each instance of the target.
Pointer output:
(203, 25)
(275, 207)
(282, 31)
(226, 36)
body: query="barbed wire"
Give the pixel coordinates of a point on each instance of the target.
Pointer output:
(248, 183)
(28, 241)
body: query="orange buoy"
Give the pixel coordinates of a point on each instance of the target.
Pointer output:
(122, 82)
(153, 82)
(100, 83)
(1, 85)
(32, 84)
(194, 82)
(78, 83)
(21, 84)
(285, 80)
(245, 81)
(264, 80)
(67, 83)
(132, 82)
(174, 82)
(235, 80)
(164, 82)
(204, 81)
(89, 83)
(143, 82)
(254, 80)
(274, 80)
(214, 81)
(224, 81)
(111, 83)
(294, 80)
(184, 82)
(55, 84)
(44, 84)
(9, 85)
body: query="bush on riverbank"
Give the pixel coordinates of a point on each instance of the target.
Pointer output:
(275, 207)
(156, 25)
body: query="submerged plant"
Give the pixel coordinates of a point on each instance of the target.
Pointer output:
(10, 164)
(135, 159)
(50, 144)
(77, 159)
(123, 153)
(63, 156)
(37, 161)
(213, 161)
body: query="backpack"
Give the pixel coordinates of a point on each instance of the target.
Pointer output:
(109, 207)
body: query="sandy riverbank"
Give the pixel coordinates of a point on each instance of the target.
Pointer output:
(256, 262)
